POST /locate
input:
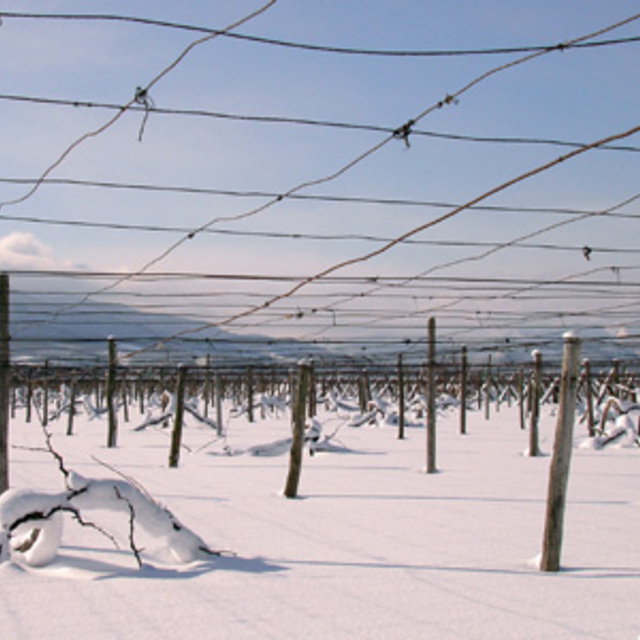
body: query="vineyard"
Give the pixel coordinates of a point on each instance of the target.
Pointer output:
(370, 532)
(375, 395)
(319, 320)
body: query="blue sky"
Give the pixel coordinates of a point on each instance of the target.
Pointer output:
(578, 95)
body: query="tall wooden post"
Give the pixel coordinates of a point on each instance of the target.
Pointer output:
(178, 419)
(431, 397)
(463, 390)
(110, 384)
(561, 459)
(5, 382)
(297, 443)
(400, 398)
(536, 393)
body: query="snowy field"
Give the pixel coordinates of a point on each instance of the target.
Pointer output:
(373, 547)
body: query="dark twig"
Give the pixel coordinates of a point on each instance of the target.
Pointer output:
(132, 524)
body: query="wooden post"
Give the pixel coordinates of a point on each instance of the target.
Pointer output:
(110, 384)
(207, 385)
(487, 404)
(400, 398)
(14, 401)
(431, 397)
(589, 398)
(313, 397)
(463, 390)
(250, 394)
(295, 455)
(142, 389)
(72, 405)
(291, 385)
(125, 401)
(98, 393)
(5, 382)
(29, 398)
(178, 418)
(536, 389)
(364, 392)
(561, 459)
(45, 394)
(219, 392)
(615, 378)
(521, 402)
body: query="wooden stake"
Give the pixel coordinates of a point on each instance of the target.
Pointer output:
(295, 455)
(29, 398)
(521, 402)
(207, 385)
(250, 394)
(5, 382)
(463, 390)
(487, 405)
(431, 397)
(45, 394)
(589, 398)
(400, 398)
(313, 396)
(110, 384)
(364, 391)
(72, 405)
(536, 392)
(178, 419)
(219, 392)
(561, 459)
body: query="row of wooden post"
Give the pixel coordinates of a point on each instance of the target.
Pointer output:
(559, 470)
(563, 441)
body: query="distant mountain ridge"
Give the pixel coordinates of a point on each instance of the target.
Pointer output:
(55, 330)
(52, 328)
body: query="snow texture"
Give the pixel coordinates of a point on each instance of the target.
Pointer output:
(373, 549)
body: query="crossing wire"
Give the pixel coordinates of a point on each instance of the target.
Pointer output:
(270, 119)
(394, 53)
(401, 133)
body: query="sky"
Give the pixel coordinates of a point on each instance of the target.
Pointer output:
(575, 95)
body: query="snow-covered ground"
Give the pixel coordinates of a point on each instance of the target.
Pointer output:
(373, 547)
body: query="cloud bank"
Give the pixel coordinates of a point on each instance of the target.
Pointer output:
(24, 251)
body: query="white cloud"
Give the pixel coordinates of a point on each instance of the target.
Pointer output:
(20, 250)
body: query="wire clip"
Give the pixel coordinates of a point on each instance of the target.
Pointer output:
(403, 132)
(143, 98)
